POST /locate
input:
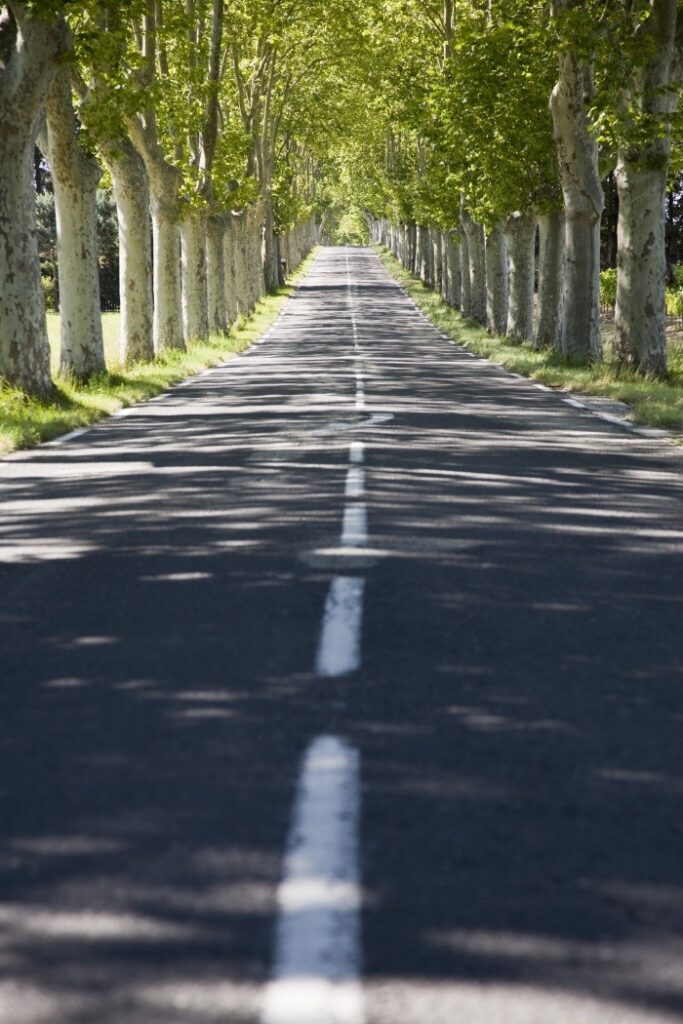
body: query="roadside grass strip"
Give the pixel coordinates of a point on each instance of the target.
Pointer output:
(26, 421)
(654, 403)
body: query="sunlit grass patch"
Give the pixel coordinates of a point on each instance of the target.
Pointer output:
(656, 403)
(26, 421)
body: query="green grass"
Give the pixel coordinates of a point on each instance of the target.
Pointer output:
(656, 403)
(26, 421)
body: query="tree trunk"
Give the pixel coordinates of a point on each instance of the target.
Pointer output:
(242, 291)
(24, 348)
(215, 274)
(421, 258)
(230, 273)
(640, 314)
(465, 282)
(29, 62)
(476, 268)
(436, 259)
(577, 150)
(444, 266)
(496, 280)
(520, 229)
(550, 263)
(135, 253)
(641, 174)
(168, 324)
(271, 269)
(194, 286)
(75, 175)
(454, 284)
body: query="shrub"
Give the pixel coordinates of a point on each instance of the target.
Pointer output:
(608, 288)
(674, 302)
(49, 292)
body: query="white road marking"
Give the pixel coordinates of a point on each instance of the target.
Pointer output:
(355, 482)
(355, 525)
(316, 971)
(339, 648)
(357, 452)
(71, 436)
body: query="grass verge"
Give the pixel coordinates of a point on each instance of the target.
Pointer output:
(26, 421)
(655, 403)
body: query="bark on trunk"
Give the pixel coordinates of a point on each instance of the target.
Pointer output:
(641, 174)
(550, 263)
(454, 285)
(496, 280)
(215, 274)
(230, 272)
(135, 253)
(521, 237)
(436, 259)
(242, 290)
(465, 283)
(577, 150)
(194, 286)
(24, 348)
(76, 175)
(271, 269)
(444, 266)
(476, 268)
(168, 324)
(29, 63)
(640, 315)
(422, 260)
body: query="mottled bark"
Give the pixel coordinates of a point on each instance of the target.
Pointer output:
(271, 269)
(31, 51)
(454, 284)
(436, 259)
(135, 252)
(76, 175)
(215, 274)
(422, 258)
(230, 270)
(550, 263)
(242, 289)
(577, 150)
(496, 279)
(520, 230)
(476, 267)
(465, 281)
(194, 284)
(641, 176)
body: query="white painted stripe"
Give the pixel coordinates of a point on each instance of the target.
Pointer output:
(316, 972)
(340, 636)
(355, 525)
(71, 436)
(357, 452)
(355, 482)
(360, 402)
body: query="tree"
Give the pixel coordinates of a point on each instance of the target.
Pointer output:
(31, 45)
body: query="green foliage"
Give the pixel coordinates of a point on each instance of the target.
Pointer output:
(608, 288)
(347, 228)
(674, 302)
(49, 295)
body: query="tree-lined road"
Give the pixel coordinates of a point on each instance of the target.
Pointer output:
(362, 597)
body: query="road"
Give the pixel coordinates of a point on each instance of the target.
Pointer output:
(342, 685)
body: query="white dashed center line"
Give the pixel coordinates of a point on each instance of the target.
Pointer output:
(339, 646)
(316, 971)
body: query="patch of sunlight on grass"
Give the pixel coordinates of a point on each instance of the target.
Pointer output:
(26, 421)
(656, 403)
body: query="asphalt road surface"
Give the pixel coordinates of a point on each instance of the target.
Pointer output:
(342, 685)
